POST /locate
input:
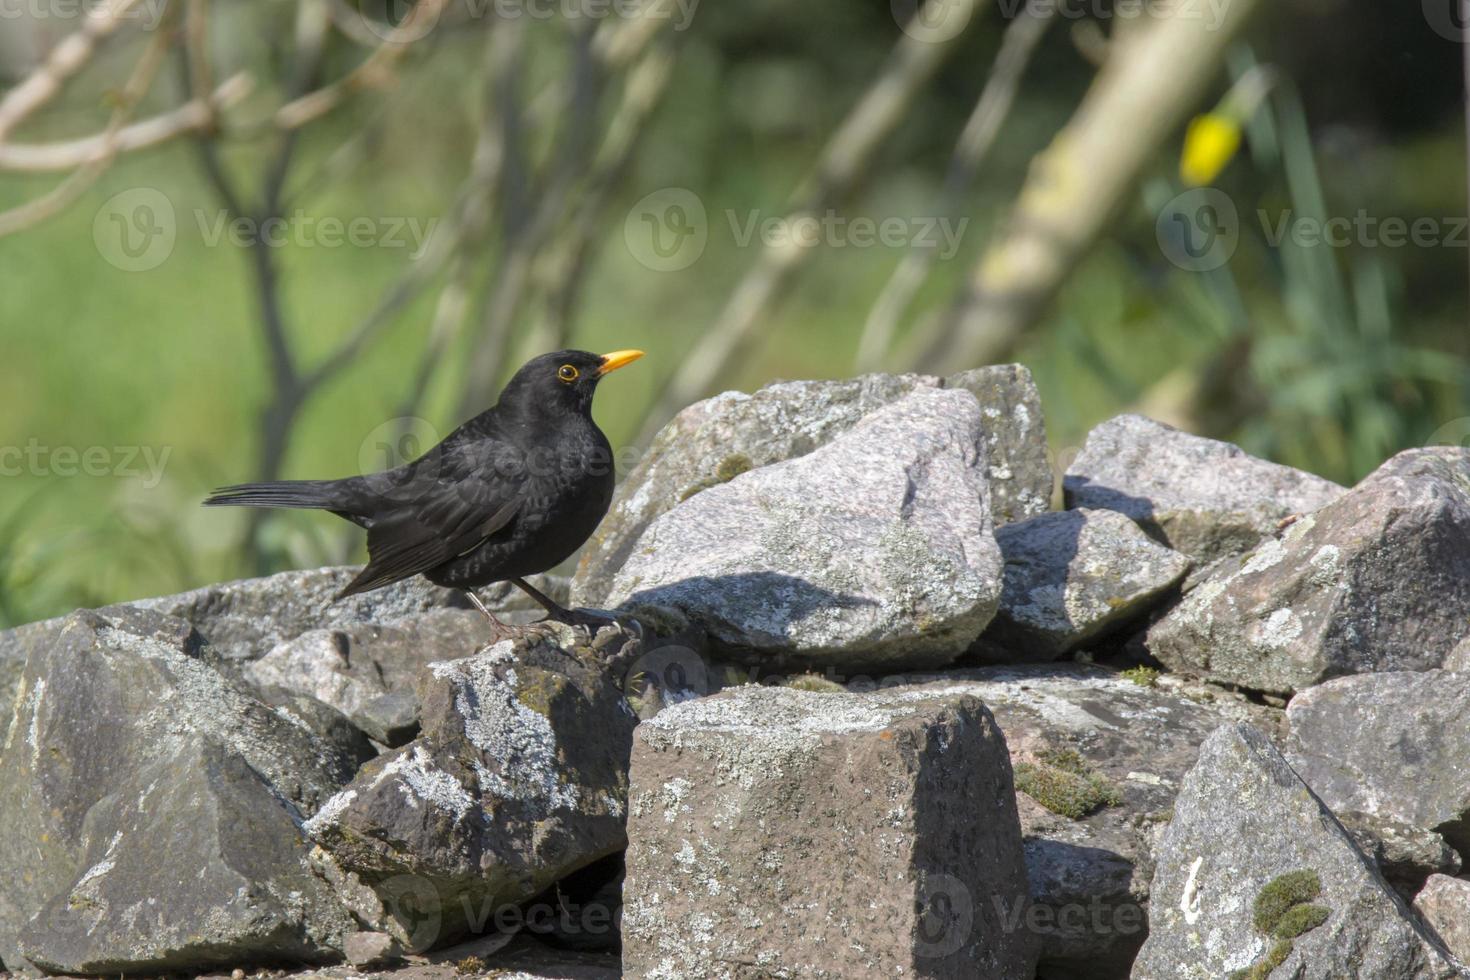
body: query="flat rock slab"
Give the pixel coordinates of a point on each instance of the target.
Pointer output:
(1393, 747)
(518, 778)
(1089, 875)
(1072, 577)
(151, 810)
(714, 440)
(1378, 580)
(1243, 820)
(874, 551)
(776, 832)
(1200, 496)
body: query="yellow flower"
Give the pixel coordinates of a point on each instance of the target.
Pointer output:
(1209, 144)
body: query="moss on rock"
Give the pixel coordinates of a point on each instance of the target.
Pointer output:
(1065, 784)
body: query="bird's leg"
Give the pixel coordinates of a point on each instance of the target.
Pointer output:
(588, 618)
(501, 629)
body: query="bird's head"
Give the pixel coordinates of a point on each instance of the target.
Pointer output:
(564, 380)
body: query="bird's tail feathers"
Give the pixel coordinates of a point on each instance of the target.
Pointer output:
(320, 494)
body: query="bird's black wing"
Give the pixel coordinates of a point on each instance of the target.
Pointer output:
(458, 495)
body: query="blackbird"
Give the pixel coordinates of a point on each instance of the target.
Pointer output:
(513, 491)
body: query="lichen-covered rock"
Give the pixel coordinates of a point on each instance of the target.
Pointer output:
(874, 551)
(1073, 576)
(1393, 747)
(244, 620)
(1378, 580)
(151, 809)
(353, 667)
(712, 441)
(1089, 875)
(1200, 496)
(784, 833)
(1444, 904)
(518, 777)
(1253, 871)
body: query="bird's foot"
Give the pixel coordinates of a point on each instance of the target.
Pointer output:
(593, 621)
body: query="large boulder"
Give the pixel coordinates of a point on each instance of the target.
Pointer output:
(368, 671)
(1072, 577)
(1200, 496)
(874, 551)
(1254, 873)
(1099, 759)
(1378, 580)
(151, 809)
(1444, 905)
(776, 832)
(518, 778)
(1392, 749)
(712, 441)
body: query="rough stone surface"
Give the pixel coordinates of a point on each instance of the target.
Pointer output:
(1378, 580)
(1444, 904)
(354, 667)
(1089, 877)
(873, 551)
(1241, 820)
(711, 441)
(151, 809)
(1073, 576)
(776, 832)
(1200, 496)
(1393, 747)
(518, 777)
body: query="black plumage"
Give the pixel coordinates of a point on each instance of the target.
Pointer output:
(512, 492)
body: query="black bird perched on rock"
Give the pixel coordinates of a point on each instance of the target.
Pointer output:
(513, 491)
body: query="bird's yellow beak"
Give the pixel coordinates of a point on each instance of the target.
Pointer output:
(618, 358)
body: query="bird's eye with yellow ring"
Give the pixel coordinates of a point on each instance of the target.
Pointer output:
(568, 373)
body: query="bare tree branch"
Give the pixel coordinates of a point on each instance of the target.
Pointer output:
(1078, 181)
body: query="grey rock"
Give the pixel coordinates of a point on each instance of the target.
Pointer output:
(770, 828)
(1089, 877)
(151, 808)
(390, 719)
(329, 724)
(1406, 856)
(874, 551)
(712, 441)
(1200, 496)
(1378, 580)
(366, 949)
(1241, 820)
(1073, 576)
(1393, 747)
(353, 666)
(518, 777)
(1444, 904)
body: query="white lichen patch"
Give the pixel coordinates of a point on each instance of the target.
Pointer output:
(1280, 628)
(330, 812)
(420, 779)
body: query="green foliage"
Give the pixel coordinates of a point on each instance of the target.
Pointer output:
(1061, 781)
(1281, 894)
(814, 682)
(1142, 676)
(1300, 919)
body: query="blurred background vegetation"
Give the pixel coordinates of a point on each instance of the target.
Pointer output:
(532, 142)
